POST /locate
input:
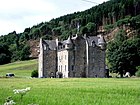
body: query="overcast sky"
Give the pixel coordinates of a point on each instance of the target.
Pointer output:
(16, 15)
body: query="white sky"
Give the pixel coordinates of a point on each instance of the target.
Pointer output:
(16, 15)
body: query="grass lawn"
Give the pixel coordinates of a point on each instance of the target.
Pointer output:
(73, 91)
(20, 68)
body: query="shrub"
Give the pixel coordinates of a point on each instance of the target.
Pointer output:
(34, 73)
(109, 27)
(138, 72)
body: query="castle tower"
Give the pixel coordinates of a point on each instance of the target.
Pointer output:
(63, 54)
(102, 45)
(41, 59)
(68, 43)
(101, 42)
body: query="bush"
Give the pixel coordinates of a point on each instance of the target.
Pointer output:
(138, 72)
(34, 73)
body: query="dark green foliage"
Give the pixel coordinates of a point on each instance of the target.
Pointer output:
(138, 71)
(103, 14)
(135, 22)
(123, 21)
(34, 73)
(47, 37)
(57, 31)
(91, 27)
(123, 54)
(4, 59)
(20, 53)
(109, 27)
(83, 30)
(113, 52)
(25, 52)
(5, 54)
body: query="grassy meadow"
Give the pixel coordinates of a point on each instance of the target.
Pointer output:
(70, 91)
(73, 91)
(20, 68)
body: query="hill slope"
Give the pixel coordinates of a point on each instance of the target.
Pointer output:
(113, 13)
(20, 68)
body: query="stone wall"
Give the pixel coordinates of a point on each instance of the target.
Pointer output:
(79, 58)
(50, 63)
(62, 62)
(96, 63)
(71, 63)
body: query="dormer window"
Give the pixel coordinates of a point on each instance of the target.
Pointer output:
(93, 44)
(68, 45)
(46, 47)
(74, 36)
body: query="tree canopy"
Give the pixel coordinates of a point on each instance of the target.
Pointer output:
(123, 54)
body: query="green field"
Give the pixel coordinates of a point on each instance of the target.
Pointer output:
(82, 91)
(72, 91)
(20, 68)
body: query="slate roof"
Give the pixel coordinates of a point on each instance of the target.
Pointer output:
(101, 41)
(51, 44)
(90, 40)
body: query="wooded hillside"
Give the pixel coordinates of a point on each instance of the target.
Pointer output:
(109, 15)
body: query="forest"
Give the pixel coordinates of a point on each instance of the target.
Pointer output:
(109, 15)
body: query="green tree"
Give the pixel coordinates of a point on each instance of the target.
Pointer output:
(25, 53)
(83, 30)
(129, 53)
(5, 54)
(91, 27)
(113, 53)
(34, 73)
(123, 54)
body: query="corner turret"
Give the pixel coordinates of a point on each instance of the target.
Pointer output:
(101, 42)
(68, 43)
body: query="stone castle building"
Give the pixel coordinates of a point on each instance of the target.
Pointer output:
(78, 56)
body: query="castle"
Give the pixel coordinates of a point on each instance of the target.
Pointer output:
(78, 56)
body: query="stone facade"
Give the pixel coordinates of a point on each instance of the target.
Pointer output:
(78, 56)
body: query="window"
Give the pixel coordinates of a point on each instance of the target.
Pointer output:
(65, 68)
(44, 47)
(62, 57)
(61, 68)
(63, 46)
(68, 45)
(72, 67)
(93, 60)
(72, 59)
(65, 57)
(93, 53)
(75, 48)
(93, 44)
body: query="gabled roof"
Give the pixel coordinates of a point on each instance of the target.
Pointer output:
(68, 41)
(91, 39)
(51, 44)
(101, 41)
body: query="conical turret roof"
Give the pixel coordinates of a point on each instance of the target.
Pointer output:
(101, 40)
(68, 41)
